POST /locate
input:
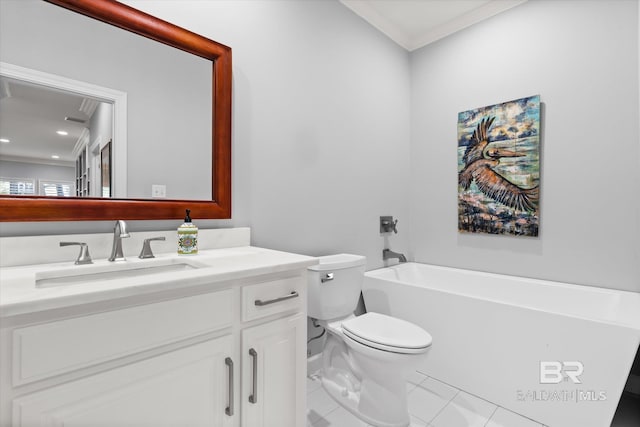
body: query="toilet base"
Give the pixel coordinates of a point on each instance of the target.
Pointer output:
(349, 396)
(363, 397)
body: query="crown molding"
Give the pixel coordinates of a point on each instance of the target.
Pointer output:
(411, 43)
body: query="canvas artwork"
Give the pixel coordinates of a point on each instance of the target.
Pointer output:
(499, 168)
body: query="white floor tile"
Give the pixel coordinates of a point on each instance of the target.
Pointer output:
(313, 383)
(439, 388)
(416, 422)
(429, 398)
(465, 410)
(319, 404)
(505, 418)
(432, 403)
(339, 417)
(416, 377)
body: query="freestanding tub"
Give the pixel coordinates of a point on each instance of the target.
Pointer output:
(557, 353)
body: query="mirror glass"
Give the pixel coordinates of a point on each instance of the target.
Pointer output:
(53, 141)
(165, 150)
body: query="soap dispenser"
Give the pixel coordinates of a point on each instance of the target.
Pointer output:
(187, 237)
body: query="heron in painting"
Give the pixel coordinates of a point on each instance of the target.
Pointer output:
(480, 159)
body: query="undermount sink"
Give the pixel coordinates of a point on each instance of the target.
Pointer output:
(112, 271)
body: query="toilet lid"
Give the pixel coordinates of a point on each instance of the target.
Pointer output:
(387, 333)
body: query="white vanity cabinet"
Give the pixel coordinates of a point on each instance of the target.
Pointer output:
(229, 354)
(179, 388)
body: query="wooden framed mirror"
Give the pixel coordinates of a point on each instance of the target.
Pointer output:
(40, 208)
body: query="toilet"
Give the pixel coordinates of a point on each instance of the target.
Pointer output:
(366, 359)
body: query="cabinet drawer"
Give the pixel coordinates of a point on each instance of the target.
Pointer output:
(277, 296)
(45, 350)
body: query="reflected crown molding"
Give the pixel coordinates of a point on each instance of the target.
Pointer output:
(88, 106)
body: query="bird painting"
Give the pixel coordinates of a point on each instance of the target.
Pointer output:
(498, 168)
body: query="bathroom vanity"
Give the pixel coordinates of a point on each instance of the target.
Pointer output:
(220, 341)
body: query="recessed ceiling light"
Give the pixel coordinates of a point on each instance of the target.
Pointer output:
(55, 156)
(4, 140)
(62, 132)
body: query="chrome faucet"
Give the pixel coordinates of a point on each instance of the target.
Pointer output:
(388, 254)
(119, 233)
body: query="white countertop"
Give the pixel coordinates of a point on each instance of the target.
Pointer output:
(19, 294)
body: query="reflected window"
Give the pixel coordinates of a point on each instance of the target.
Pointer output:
(57, 188)
(17, 186)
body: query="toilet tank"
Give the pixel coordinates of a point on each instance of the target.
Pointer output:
(334, 286)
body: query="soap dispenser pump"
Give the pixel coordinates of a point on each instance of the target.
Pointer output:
(187, 237)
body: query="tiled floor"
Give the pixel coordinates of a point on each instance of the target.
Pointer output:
(431, 404)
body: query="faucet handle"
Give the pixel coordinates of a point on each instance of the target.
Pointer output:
(146, 248)
(83, 257)
(388, 224)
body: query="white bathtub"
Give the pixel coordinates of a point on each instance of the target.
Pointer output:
(491, 332)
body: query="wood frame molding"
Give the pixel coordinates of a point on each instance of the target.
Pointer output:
(37, 208)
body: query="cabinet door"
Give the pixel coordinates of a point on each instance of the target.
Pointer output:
(186, 387)
(273, 373)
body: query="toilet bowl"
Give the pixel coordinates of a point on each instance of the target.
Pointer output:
(366, 359)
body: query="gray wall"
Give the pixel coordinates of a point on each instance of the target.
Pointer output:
(101, 124)
(335, 125)
(583, 61)
(320, 126)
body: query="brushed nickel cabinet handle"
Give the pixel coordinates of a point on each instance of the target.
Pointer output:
(229, 409)
(261, 303)
(253, 398)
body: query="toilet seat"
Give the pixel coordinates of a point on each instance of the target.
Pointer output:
(387, 333)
